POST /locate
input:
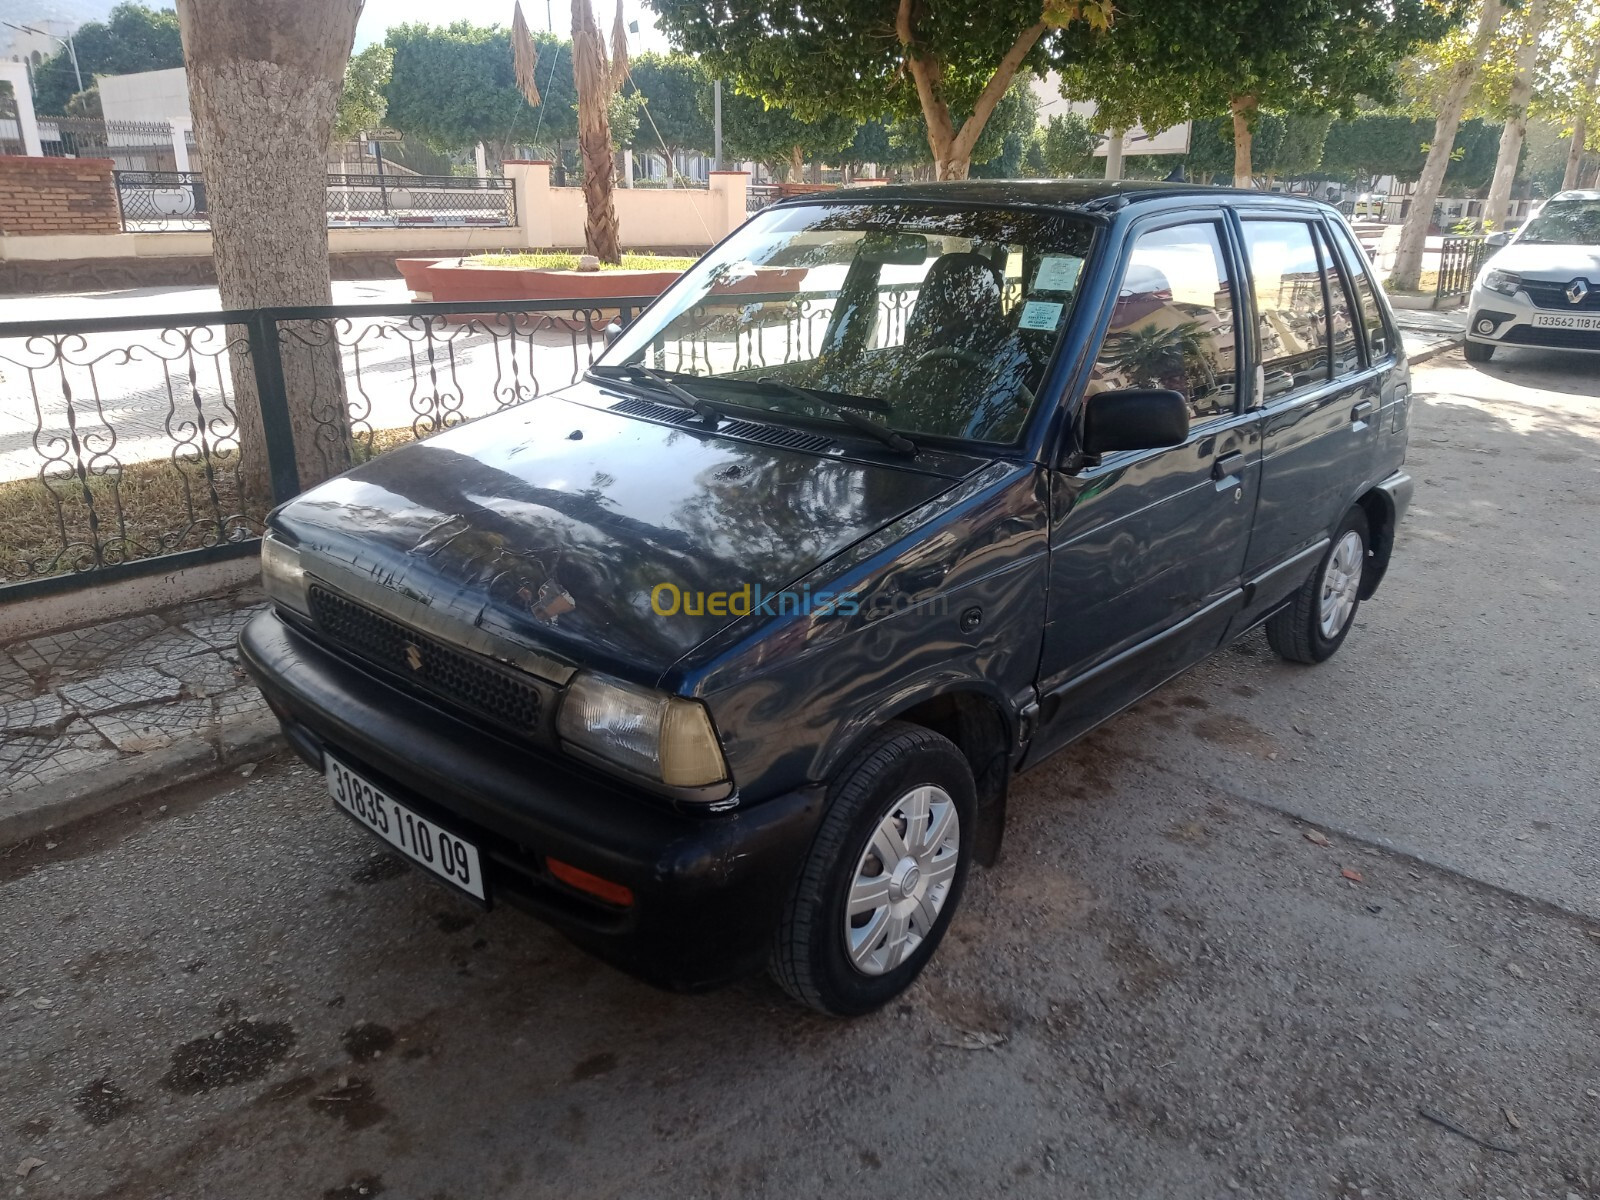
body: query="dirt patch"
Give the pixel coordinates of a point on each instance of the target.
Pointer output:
(366, 1041)
(1236, 733)
(353, 1103)
(595, 1064)
(237, 1053)
(101, 1102)
(449, 922)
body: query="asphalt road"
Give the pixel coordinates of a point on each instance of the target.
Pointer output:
(1165, 990)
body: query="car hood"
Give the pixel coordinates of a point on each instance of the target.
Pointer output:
(1557, 264)
(549, 526)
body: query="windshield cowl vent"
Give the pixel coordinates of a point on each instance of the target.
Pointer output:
(750, 431)
(652, 411)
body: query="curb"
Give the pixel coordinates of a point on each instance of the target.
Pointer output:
(27, 814)
(1423, 356)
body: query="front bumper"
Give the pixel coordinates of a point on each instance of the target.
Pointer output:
(708, 891)
(1509, 322)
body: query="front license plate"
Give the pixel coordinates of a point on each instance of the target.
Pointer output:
(419, 839)
(1567, 321)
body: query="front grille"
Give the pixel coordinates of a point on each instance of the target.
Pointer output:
(1554, 295)
(422, 664)
(1555, 339)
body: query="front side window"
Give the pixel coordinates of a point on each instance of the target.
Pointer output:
(1172, 326)
(1291, 313)
(924, 319)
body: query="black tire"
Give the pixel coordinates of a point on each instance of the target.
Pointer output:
(1295, 631)
(809, 958)
(1477, 352)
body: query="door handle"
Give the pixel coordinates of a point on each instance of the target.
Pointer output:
(1361, 412)
(1222, 471)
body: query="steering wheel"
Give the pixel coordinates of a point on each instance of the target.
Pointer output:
(967, 358)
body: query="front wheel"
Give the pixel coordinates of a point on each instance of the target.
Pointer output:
(1477, 352)
(1315, 622)
(883, 877)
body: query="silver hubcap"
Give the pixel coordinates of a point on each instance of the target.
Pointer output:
(1341, 580)
(902, 880)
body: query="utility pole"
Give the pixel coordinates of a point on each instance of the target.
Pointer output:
(716, 125)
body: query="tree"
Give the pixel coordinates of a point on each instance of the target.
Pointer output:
(859, 58)
(454, 87)
(997, 154)
(1520, 95)
(597, 78)
(1166, 62)
(132, 38)
(675, 88)
(1374, 144)
(1068, 145)
(775, 136)
(361, 101)
(264, 81)
(1463, 59)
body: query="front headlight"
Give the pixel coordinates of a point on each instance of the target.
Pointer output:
(1503, 282)
(282, 577)
(665, 738)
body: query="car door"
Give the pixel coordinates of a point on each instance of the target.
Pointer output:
(1318, 401)
(1147, 546)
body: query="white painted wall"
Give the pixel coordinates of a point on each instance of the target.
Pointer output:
(146, 96)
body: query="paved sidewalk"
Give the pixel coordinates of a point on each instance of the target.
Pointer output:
(96, 713)
(1427, 331)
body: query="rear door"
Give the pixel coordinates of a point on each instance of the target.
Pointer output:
(1147, 546)
(1318, 401)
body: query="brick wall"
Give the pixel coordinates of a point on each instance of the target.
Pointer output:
(57, 195)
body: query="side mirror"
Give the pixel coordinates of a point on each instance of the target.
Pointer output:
(1497, 239)
(1135, 419)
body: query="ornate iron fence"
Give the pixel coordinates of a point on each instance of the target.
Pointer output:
(123, 452)
(1459, 260)
(159, 201)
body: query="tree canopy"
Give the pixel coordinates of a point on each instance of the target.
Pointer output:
(676, 90)
(361, 100)
(132, 38)
(453, 87)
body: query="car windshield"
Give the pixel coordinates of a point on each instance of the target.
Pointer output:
(1564, 223)
(922, 319)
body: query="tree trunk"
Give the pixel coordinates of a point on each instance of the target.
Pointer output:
(1243, 108)
(264, 80)
(1505, 166)
(1407, 274)
(797, 164)
(591, 74)
(1580, 124)
(1114, 149)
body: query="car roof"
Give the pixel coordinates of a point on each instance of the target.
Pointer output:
(1575, 194)
(1094, 195)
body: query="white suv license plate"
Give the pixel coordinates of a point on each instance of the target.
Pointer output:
(419, 839)
(1567, 321)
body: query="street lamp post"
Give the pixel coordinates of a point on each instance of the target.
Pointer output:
(72, 50)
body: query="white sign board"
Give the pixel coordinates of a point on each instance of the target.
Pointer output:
(1137, 141)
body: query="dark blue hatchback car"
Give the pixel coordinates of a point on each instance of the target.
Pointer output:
(727, 655)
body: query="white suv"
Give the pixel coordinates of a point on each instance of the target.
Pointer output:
(1543, 287)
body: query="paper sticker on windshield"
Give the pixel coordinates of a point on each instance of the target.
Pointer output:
(1040, 315)
(1057, 273)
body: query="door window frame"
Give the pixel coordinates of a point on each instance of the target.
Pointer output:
(1354, 261)
(1347, 286)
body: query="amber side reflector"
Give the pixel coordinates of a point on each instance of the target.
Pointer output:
(611, 893)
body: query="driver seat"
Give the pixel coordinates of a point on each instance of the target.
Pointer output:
(958, 306)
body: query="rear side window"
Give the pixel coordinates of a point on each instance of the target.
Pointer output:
(1173, 323)
(1342, 320)
(1291, 311)
(1378, 342)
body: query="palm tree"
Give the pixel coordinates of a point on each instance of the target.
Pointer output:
(1162, 356)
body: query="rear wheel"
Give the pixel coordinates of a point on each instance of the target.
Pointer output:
(1477, 352)
(1316, 621)
(884, 875)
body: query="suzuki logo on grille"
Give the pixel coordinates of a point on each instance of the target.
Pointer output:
(1577, 290)
(413, 657)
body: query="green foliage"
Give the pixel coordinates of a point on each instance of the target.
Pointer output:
(998, 152)
(1067, 146)
(1377, 144)
(86, 103)
(453, 87)
(677, 95)
(361, 102)
(750, 129)
(133, 38)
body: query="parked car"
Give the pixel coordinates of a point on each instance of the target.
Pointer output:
(1542, 288)
(728, 654)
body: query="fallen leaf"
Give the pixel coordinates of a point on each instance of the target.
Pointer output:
(1352, 876)
(1511, 1119)
(1317, 838)
(28, 1166)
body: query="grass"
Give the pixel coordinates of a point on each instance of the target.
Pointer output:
(558, 261)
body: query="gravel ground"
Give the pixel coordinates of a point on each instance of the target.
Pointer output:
(1167, 989)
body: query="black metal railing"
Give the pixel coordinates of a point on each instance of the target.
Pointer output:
(167, 201)
(1459, 260)
(123, 451)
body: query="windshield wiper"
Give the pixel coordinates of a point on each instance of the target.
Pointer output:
(678, 397)
(897, 442)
